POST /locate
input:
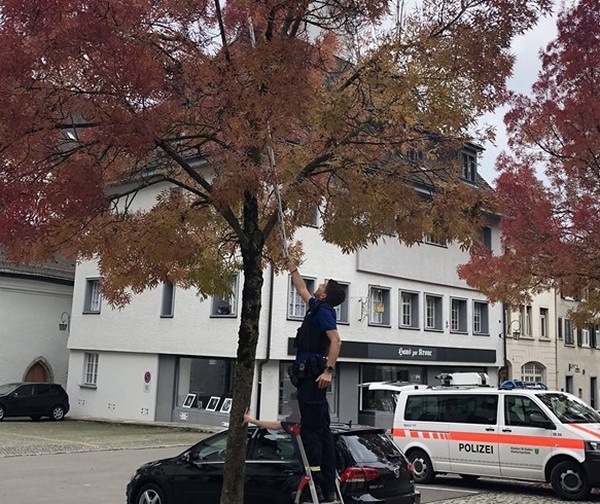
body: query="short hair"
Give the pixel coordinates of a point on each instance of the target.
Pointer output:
(335, 293)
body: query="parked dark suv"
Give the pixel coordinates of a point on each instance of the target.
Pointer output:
(35, 400)
(371, 466)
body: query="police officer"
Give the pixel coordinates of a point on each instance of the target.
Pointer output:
(318, 346)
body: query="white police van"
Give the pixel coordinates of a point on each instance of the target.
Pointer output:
(525, 434)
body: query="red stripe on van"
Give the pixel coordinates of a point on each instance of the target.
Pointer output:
(587, 431)
(480, 437)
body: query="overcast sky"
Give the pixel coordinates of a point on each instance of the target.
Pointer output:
(526, 49)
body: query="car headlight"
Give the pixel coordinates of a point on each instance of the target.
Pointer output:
(592, 446)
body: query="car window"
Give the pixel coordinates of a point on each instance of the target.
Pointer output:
(7, 389)
(210, 450)
(517, 410)
(24, 391)
(42, 389)
(273, 445)
(369, 447)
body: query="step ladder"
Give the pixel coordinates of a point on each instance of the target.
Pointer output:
(307, 478)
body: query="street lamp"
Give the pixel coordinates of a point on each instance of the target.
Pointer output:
(65, 320)
(516, 332)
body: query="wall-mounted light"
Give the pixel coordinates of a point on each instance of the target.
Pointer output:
(516, 332)
(65, 322)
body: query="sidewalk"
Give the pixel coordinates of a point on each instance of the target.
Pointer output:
(20, 437)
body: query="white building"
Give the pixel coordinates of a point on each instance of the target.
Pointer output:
(35, 306)
(169, 355)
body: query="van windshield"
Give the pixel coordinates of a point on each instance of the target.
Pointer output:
(569, 409)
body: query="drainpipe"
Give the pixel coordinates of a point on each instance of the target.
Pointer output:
(269, 333)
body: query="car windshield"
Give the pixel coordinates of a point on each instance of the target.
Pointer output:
(569, 409)
(8, 388)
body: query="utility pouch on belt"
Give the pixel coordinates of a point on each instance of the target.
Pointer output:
(296, 372)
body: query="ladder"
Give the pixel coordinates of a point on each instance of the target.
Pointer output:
(307, 478)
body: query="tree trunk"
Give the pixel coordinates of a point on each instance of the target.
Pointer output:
(233, 482)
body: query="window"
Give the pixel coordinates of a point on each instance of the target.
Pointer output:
(93, 296)
(90, 369)
(594, 339)
(517, 410)
(569, 339)
(486, 237)
(226, 306)
(481, 318)
(168, 300)
(544, 323)
(379, 306)
(433, 312)
(409, 309)
(458, 315)
(532, 372)
(468, 166)
(456, 408)
(434, 240)
(296, 305)
(207, 378)
(525, 315)
(583, 338)
(341, 310)
(560, 328)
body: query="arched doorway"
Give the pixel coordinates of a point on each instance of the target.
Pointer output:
(38, 372)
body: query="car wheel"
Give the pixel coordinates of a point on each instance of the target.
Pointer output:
(470, 477)
(35, 418)
(150, 494)
(2, 412)
(57, 413)
(422, 467)
(569, 481)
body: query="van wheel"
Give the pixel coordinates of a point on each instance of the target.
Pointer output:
(422, 467)
(569, 481)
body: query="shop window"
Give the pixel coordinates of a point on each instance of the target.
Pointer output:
(288, 403)
(206, 383)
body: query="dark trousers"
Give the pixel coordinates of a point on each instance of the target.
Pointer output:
(316, 434)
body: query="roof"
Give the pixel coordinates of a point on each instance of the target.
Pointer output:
(56, 269)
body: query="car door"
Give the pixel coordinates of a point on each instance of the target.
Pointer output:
(40, 401)
(273, 468)
(524, 447)
(20, 401)
(474, 436)
(198, 475)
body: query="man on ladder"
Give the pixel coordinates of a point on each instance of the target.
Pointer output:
(318, 346)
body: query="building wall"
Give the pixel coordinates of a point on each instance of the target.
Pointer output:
(126, 388)
(30, 311)
(136, 339)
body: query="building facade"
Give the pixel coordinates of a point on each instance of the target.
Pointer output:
(169, 355)
(35, 308)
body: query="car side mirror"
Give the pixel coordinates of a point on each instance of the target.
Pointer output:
(186, 457)
(538, 420)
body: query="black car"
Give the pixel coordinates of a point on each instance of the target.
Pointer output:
(35, 400)
(371, 467)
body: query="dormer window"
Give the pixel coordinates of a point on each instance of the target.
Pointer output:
(468, 167)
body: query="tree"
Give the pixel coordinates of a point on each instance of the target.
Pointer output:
(99, 99)
(551, 224)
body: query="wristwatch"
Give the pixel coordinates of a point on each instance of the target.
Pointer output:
(329, 369)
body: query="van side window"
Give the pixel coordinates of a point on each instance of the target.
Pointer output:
(455, 408)
(517, 410)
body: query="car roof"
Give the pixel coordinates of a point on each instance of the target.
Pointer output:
(397, 386)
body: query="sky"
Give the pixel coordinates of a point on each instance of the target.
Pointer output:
(526, 48)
